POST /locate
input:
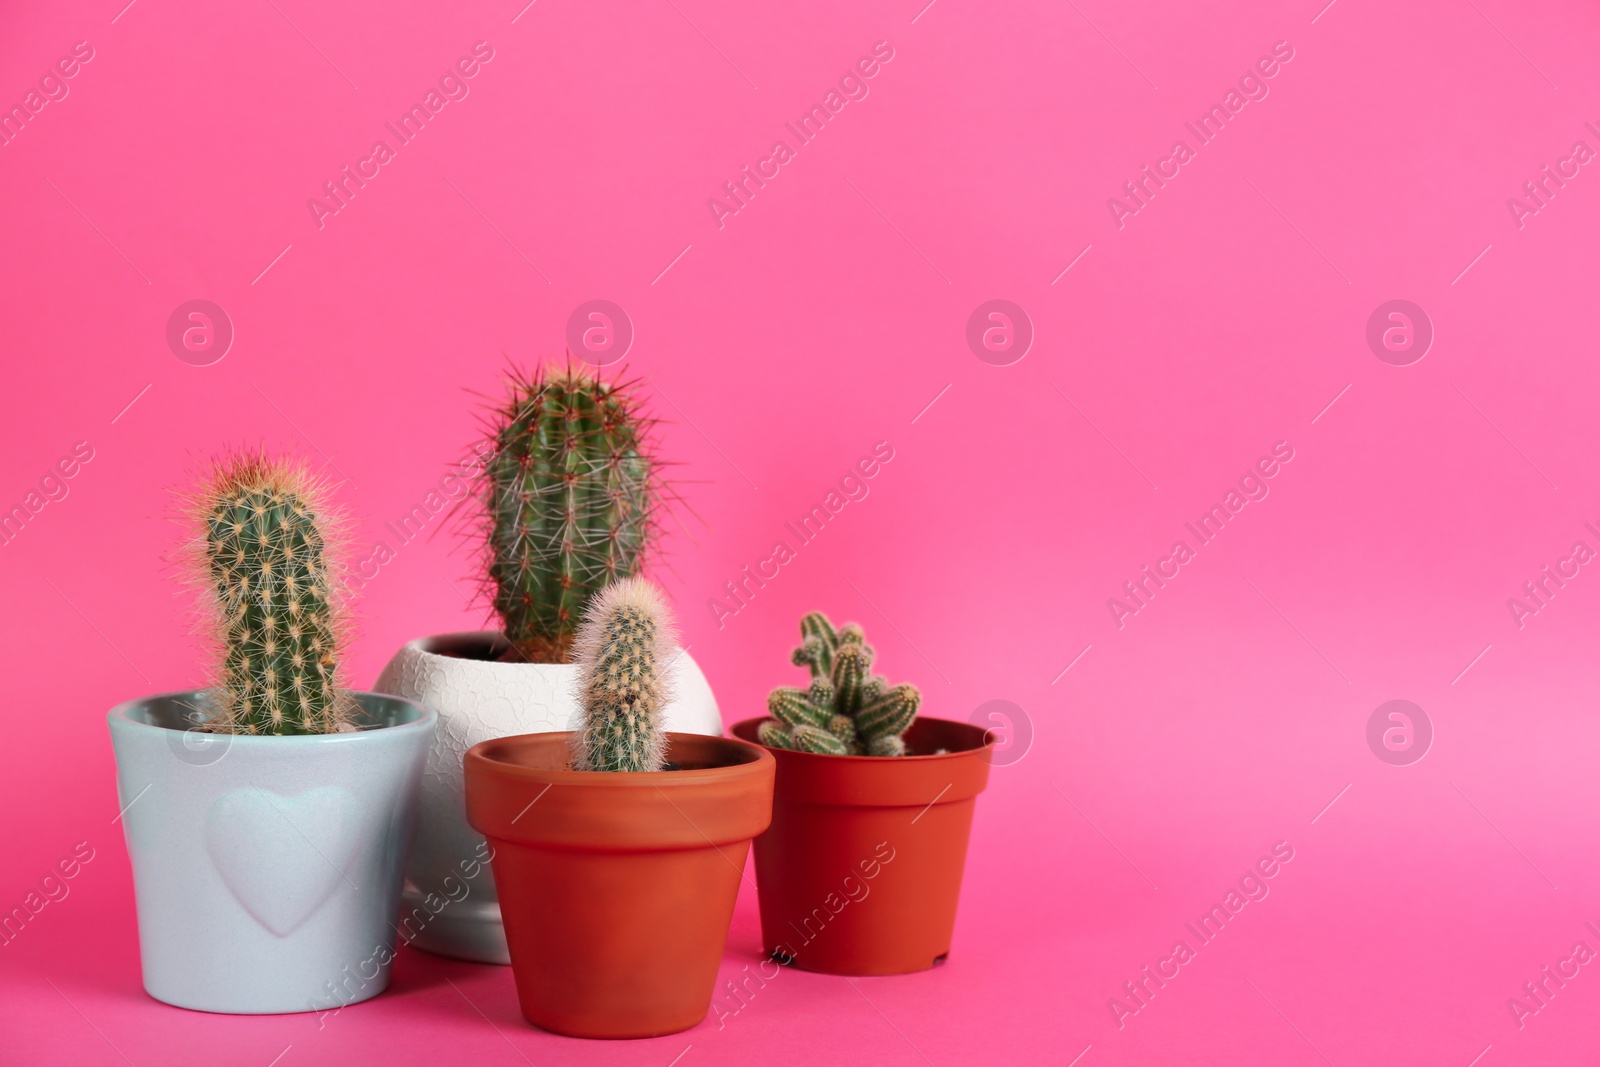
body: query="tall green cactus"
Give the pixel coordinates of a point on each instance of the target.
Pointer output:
(622, 649)
(571, 494)
(847, 710)
(261, 550)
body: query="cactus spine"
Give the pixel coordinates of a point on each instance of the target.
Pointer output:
(261, 551)
(622, 649)
(847, 710)
(571, 494)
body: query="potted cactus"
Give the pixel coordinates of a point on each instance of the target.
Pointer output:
(861, 869)
(570, 497)
(846, 710)
(618, 847)
(268, 815)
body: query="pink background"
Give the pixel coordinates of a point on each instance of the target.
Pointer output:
(825, 316)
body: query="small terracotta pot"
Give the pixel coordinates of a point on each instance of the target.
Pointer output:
(617, 889)
(861, 869)
(478, 697)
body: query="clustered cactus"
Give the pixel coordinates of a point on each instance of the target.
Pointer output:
(261, 553)
(847, 710)
(622, 649)
(571, 495)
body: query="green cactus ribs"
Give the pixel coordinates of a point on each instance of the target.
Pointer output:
(262, 548)
(622, 652)
(846, 710)
(571, 501)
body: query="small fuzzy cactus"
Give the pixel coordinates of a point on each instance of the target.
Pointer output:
(846, 710)
(571, 497)
(623, 650)
(260, 551)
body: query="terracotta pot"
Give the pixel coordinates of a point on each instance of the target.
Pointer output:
(449, 903)
(861, 869)
(617, 889)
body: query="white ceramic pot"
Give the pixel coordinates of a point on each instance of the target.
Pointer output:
(450, 906)
(267, 870)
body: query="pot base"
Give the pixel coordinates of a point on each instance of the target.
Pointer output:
(468, 929)
(258, 1006)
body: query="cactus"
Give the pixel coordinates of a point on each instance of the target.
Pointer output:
(622, 649)
(571, 497)
(847, 710)
(260, 551)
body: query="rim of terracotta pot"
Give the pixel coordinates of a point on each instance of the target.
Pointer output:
(886, 781)
(720, 796)
(180, 712)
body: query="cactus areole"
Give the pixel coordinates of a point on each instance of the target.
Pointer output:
(570, 497)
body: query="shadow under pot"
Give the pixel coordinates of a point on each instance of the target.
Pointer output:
(860, 872)
(617, 888)
(449, 904)
(267, 870)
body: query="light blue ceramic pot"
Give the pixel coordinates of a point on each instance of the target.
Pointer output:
(267, 870)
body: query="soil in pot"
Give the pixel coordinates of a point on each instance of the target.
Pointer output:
(617, 889)
(860, 871)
